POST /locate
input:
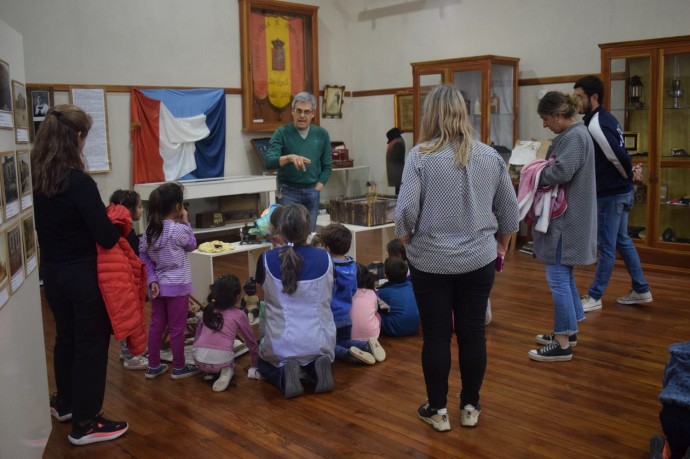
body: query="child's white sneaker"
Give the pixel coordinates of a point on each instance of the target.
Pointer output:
(223, 381)
(138, 362)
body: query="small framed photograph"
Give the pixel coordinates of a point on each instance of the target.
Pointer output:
(41, 100)
(630, 141)
(15, 256)
(333, 101)
(6, 117)
(10, 186)
(21, 113)
(404, 111)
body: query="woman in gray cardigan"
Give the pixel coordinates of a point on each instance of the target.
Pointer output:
(571, 239)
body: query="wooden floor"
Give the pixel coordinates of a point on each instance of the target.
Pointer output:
(601, 404)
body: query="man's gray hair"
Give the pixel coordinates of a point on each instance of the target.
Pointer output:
(304, 97)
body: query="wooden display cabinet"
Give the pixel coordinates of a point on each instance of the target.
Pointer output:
(489, 86)
(646, 88)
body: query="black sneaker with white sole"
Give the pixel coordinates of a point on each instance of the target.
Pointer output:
(59, 410)
(551, 353)
(548, 338)
(97, 430)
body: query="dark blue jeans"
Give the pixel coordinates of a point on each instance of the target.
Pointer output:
(308, 197)
(275, 375)
(450, 302)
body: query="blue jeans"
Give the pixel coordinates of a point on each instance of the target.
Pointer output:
(343, 343)
(612, 215)
(567, 307)
(308, 197)
(450, 302)
(276, 375)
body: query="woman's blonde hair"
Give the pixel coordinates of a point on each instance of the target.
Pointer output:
(445, 122)
(57, 148)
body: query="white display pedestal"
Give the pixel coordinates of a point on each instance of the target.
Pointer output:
(359, 252)
(202, 264)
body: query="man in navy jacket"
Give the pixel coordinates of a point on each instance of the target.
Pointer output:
(615, 196)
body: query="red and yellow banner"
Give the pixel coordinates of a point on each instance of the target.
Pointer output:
(277, 49)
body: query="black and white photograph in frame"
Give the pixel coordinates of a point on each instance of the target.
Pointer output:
(29, 240)
(15, 257)
(4, 284)
(333, 101)
(25, 187)
(41, 101)
(6, 117)
(10, 184)
(21, 112)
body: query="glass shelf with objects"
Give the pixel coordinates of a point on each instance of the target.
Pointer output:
(489, 86)
(646, 84)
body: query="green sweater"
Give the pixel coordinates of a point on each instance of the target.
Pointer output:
(317, 147)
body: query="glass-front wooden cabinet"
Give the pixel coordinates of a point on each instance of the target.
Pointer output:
(489, 86)
(646, 88)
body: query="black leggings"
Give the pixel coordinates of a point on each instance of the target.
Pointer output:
(83, 335)
(440, 299)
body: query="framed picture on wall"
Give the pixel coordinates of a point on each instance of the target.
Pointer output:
(41, 100)
(29, 240)
(6, 117)
(4, 272)
(92, 99)
(404, 111)
(333, 101)
(15, 256)
(630, 141)
(279, 58)
(25, 188)
(10, 186)
(21, 113)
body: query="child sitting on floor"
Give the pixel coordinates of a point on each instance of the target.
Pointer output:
(214, 343)
(337, 239)
(366, 322)
(402, 318)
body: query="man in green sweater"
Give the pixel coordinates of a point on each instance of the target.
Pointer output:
(302, 154)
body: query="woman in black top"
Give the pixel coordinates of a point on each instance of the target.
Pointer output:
(70, 220)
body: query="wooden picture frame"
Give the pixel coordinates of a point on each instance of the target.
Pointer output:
(333, 101)
(272, 74)
(41, 98)
(21, 112)
(260, 146)
(404, 111)
(631, 141)
(6, 117)
(15, 256)
(92, 99)
(10, 185)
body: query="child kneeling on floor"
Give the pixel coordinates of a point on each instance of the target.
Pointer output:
(299, 332)
(215, 337)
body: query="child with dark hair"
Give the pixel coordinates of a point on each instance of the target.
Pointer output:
(132, 201)
(215, 337)
(396, 248)
(337, 239)
(163, 248)
(299, 332)
(250, 301)
(402, 318)
(366, 322)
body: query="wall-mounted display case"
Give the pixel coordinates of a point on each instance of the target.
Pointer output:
(646, 88)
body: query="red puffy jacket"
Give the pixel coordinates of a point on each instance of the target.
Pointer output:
(122, 279)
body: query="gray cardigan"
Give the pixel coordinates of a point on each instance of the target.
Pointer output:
(577, 227)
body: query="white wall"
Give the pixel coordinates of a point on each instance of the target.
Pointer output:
(24, 413)
(363, 44)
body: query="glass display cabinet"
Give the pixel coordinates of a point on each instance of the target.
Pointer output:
(489, 86)
(646, 88)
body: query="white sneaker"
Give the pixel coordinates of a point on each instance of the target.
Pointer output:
(358, 355)
(223, 381)
(376, 350)
(138, 362)
(632, 297)
(589, 304)
(469, 416)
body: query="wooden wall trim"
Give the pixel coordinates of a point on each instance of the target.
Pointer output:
(553, 80)
(366, 93)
